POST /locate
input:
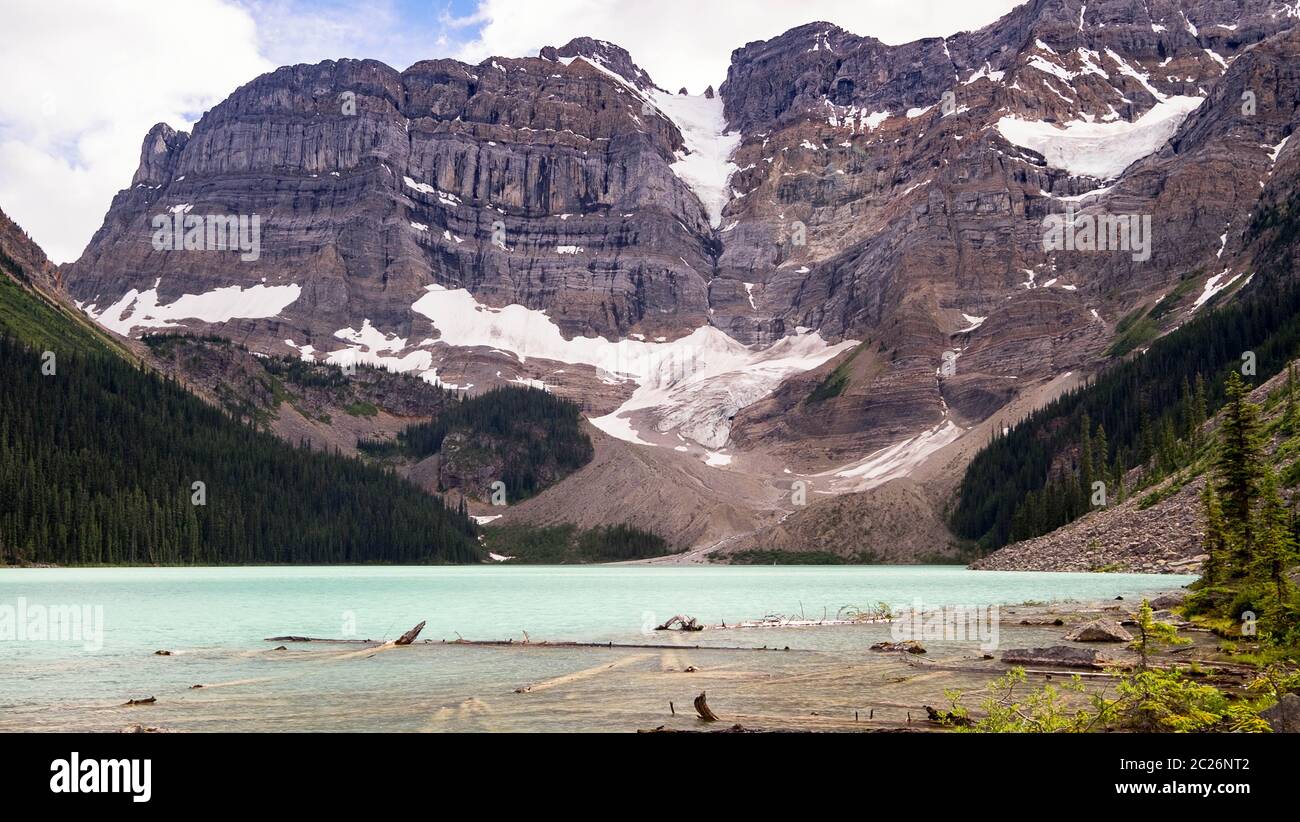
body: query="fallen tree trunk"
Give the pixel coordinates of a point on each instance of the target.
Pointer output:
(507, 643)
(409, 637)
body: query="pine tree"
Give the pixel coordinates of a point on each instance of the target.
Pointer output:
(1216, 538)
(1239, 468)
(1152, 633)
(1187, 411)
(1275, 545)
(1200, 408)
(1086, 469)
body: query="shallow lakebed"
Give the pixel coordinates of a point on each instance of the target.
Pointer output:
(215, 622)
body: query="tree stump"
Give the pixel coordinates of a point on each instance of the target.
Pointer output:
(702, 708)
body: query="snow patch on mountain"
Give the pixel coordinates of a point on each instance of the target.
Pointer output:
(694, 385)
(892, 461)
(137, 309)
(706, 165)
(1276, 151)
(372, 338)
(1213, 286)
(1101, 150)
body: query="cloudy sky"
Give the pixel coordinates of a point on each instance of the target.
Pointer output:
(87, 78)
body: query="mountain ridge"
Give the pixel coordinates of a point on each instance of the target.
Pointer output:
(690, 269)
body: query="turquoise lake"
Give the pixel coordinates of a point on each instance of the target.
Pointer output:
(215, 621)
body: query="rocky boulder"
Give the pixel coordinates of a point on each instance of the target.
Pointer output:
(910, 646)
(1099, 630)
(1284, 717)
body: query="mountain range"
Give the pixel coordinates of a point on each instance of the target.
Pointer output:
(792, 309)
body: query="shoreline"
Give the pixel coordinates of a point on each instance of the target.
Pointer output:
(761, 676)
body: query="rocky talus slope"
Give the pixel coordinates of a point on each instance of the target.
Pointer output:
(1159, 530)
(1162, 539)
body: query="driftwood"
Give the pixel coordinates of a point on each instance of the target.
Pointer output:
(409, 637)
(148, 700)
(682, 623)
(512, 643)
(734, 729)
(702, 708)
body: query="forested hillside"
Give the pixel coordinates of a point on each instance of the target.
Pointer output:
(567, 544)
(1142, 412)
(523, 437)
(104, 462)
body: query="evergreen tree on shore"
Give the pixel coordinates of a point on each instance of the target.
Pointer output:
(1239, 467)
(1216, 544)
(1275, 545)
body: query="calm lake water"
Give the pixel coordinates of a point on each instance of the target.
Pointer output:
(215, 622)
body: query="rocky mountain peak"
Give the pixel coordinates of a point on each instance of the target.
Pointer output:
(675, 262)
(603, 54)
(159, 154)
(23, 259)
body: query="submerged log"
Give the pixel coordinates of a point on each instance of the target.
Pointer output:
(317, 639)
(148, 700)
(409, 637)
(702, 708)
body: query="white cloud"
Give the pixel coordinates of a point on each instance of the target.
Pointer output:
(689, 42)
(309, 31)
(85, 80)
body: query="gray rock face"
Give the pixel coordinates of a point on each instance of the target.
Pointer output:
(877, 195)
(21, 258)
(557, 155)
(917, 212)
(1284, 717)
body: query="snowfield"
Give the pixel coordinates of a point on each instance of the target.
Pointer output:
(893, 461)
(694, 385)
(138, 309)
(707, 166)
(1101, 150)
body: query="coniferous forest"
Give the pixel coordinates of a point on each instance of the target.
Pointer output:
(1145, 411)
(99, 463)
(534, 436)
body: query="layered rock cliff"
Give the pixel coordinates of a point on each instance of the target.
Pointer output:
(839, 261)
